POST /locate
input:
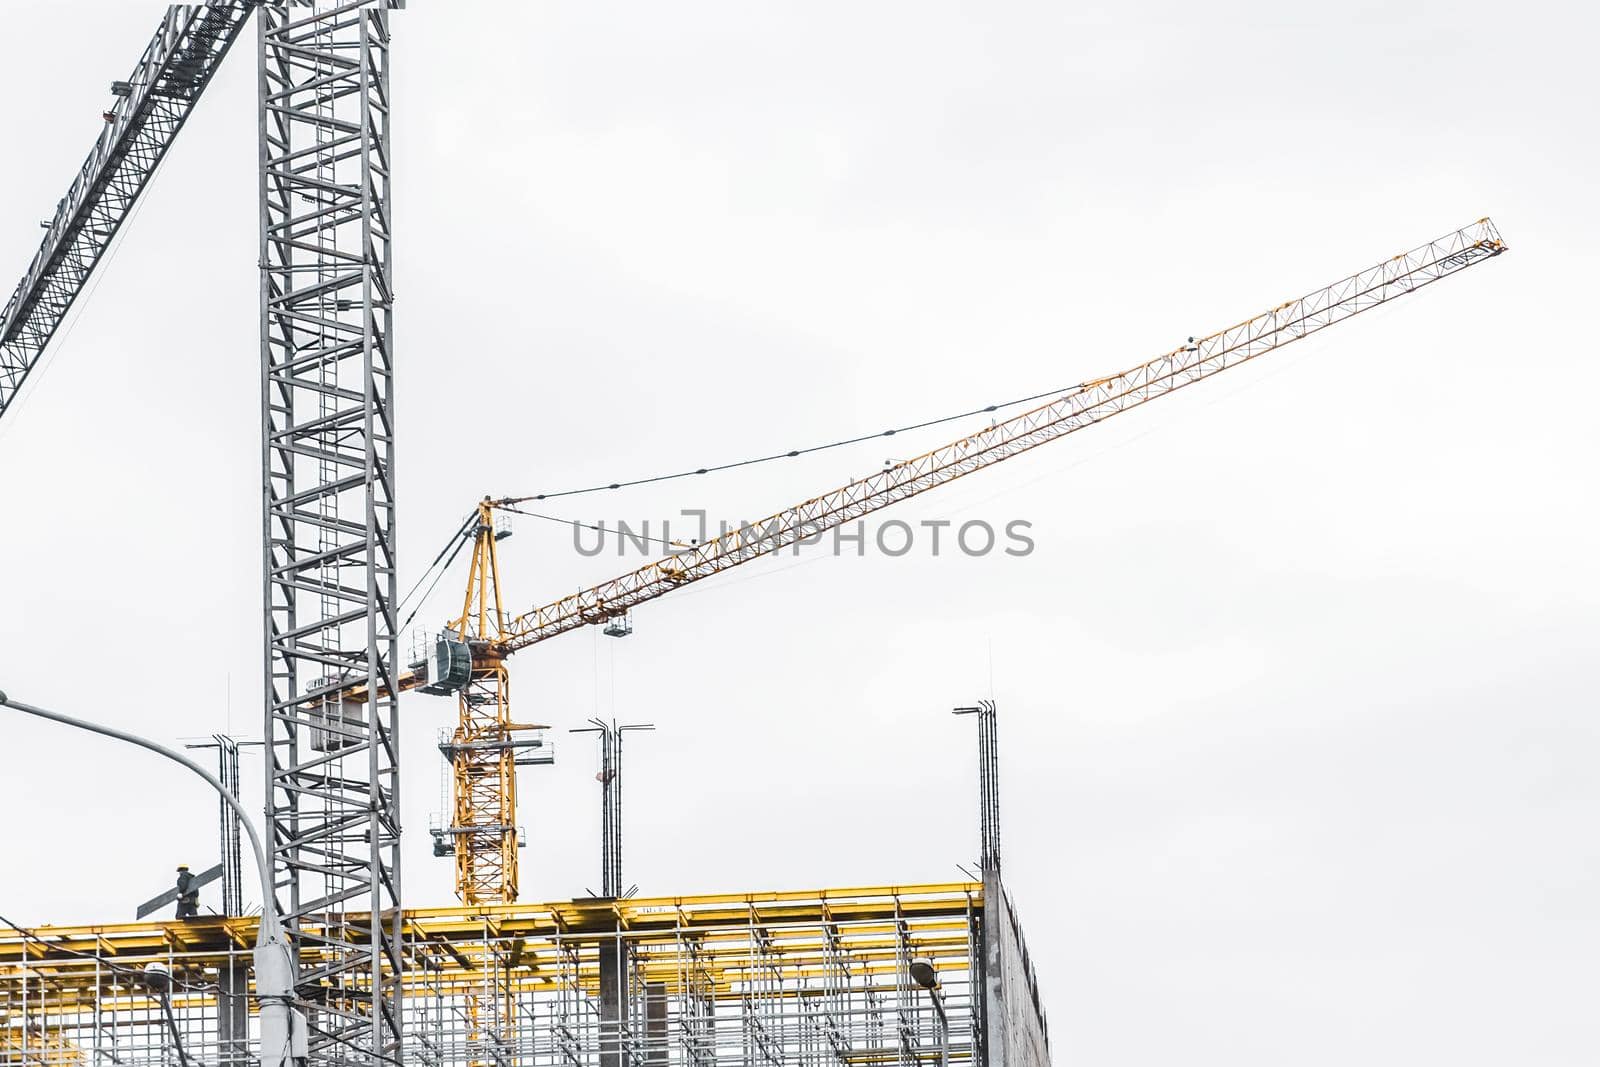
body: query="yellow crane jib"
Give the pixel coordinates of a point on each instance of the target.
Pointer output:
(1091, 402)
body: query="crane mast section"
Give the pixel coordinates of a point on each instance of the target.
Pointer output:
(152, 106)
(328, 526)
(1089, 403)
(485, 748)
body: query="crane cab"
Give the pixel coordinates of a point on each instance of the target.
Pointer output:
(449, 667)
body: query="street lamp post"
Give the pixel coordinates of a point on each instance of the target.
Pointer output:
(283, 1030)
(923, 973)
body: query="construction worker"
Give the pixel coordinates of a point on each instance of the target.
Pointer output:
(188, 894)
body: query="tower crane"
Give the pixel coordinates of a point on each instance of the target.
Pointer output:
(470, 660)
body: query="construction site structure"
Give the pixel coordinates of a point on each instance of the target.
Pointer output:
(812, 978)
(331, 672)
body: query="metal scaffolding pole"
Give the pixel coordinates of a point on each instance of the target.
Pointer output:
(329, 513)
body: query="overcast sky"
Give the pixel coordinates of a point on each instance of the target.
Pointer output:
(1297, 701)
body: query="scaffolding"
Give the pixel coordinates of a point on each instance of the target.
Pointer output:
(798, 979)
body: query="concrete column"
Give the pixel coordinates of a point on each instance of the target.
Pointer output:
(233, 1012)
(614, 967)
(655, 1022)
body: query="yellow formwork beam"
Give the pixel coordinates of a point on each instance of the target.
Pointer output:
(711, 939)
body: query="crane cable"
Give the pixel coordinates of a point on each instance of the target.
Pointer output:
(599, 528)
(441, 563)
(460, 538)
(753, 460)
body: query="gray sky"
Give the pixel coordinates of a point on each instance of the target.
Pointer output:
(1298, 727)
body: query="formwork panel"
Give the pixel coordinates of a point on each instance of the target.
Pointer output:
(795, 979)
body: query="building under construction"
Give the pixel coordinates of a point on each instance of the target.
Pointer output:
(801, 978)
(918, 974)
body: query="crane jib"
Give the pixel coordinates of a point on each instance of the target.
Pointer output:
(1090, 403)
(150, 107)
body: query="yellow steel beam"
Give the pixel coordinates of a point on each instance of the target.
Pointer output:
(870, 914)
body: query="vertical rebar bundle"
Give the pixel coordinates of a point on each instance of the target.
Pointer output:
(988, 785)
(230, 835)
(611, 815)
(610, 778)
(232, 863)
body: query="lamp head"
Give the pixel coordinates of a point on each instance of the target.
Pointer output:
(157, 977)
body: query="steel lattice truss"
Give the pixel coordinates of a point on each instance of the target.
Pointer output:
(817, 978)
(152, 106)
(482, 751)
(328, 402)
(1086, 405)
(483, 828)
(485, 748)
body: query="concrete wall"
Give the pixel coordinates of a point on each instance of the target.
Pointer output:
(1015, 1031)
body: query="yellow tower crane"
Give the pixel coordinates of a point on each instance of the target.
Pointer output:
(470, 659)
